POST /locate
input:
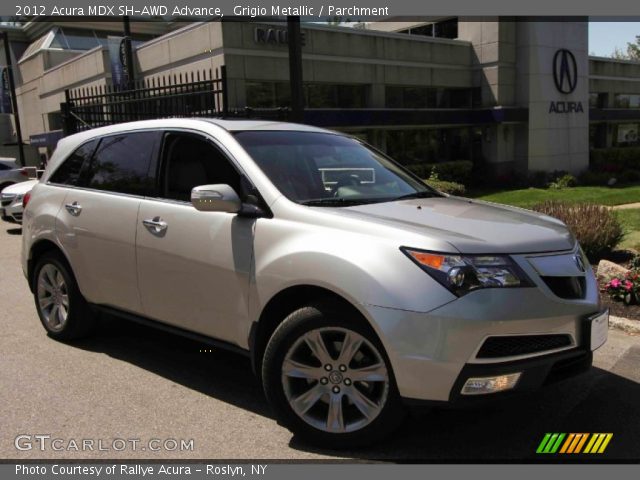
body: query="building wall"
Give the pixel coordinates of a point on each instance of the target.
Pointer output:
(555, 141)
(511, 62)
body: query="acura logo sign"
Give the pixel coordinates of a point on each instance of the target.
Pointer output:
(565, 71)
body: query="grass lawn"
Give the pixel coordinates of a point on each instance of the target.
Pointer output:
(530, 196)
(630, 219)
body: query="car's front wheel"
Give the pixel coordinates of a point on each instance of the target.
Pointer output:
(62, 309)
(329, 380)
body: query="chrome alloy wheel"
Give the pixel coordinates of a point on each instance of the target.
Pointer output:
(53, 297)
(335, 379)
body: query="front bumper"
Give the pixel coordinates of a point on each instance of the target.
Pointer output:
(434, 353)
(12, 212)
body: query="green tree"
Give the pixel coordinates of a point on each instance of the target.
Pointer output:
(632, 52)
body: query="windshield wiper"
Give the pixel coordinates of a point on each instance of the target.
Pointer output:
(336, 202)
(423, 194)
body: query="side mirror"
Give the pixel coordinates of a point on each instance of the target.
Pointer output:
(215, 198)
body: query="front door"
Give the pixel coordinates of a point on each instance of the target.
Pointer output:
(193, 267)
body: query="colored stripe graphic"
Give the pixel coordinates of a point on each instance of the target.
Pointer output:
(574, 443)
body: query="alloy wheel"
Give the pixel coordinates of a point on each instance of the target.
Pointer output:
(53, 297)
(335, 379)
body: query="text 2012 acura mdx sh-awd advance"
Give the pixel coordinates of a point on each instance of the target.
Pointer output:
(354, 287)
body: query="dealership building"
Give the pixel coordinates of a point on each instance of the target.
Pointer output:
(518, 95)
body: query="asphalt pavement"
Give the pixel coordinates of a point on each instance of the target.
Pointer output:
(132, 385)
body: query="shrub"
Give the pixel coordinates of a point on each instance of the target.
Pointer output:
(458, 171)
(422, 170)
(452, 188)
(615, 159)
(595, 178)
(565, 181)
(596, 227)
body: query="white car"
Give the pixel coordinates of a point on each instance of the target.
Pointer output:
(11, 200)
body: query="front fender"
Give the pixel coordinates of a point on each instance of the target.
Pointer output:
(363, 269)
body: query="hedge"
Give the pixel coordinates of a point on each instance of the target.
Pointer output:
(458, 171)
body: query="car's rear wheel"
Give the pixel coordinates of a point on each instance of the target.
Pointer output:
(63, 311)
(329, 380)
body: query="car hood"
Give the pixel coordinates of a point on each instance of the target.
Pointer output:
(470, 226)
(20, 188)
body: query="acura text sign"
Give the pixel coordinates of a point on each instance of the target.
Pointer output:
(565, 78)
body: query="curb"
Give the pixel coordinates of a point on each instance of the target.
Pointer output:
(624, 324)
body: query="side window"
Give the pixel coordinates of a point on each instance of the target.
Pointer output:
(4, 167)
(69, 172)
(189, 161)
(121, 163)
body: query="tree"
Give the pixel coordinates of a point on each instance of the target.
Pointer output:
(632, 52)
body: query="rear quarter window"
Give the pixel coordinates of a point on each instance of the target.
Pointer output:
(69, 173)
(121, 163)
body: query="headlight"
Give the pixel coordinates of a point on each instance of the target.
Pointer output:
(462, 274)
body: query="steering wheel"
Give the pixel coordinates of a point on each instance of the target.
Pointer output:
(346, 180)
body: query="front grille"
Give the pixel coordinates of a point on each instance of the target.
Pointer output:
(17, 217)
(6, 200)
(515, 345)
(570, 288)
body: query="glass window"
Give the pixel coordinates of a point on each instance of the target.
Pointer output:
(4, 167)
(317, 95)
(626, 134)
(320, 168)
(623, 100)
(69, 172)
(261, 94)
(190, 161)
(121, 163)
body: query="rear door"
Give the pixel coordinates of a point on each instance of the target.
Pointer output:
(97, 223)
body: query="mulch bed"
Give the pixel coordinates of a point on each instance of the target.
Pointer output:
(619, 309)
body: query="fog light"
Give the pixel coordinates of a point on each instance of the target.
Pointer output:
(484, 385)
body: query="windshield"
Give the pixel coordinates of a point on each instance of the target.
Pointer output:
(315, 168)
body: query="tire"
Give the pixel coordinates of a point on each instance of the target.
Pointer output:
(62, 309)
(318, 400)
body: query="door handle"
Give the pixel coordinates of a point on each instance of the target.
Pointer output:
(73, 208)
(155, 224)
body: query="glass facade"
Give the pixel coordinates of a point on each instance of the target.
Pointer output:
(626, 135)
(429, 145)
(431, 97)
(626, 100)
(317, 95)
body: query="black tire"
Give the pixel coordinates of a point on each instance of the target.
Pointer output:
(80, 318)
(287, 337)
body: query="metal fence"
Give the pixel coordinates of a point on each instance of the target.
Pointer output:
(200, 94)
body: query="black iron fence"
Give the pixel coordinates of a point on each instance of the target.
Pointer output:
(198, 94)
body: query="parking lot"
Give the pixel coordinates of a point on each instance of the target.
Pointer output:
(130, 382)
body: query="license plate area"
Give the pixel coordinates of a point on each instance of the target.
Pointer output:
(597, 327)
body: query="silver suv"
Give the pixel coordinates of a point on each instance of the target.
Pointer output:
(355, 289)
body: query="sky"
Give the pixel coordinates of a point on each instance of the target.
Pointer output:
(604, 37)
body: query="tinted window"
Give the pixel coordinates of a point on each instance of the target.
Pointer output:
(69, 172)
(190, 161)
(4, 167)
(121, 163)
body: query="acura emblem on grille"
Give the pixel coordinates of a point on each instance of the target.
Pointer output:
(579, 262)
